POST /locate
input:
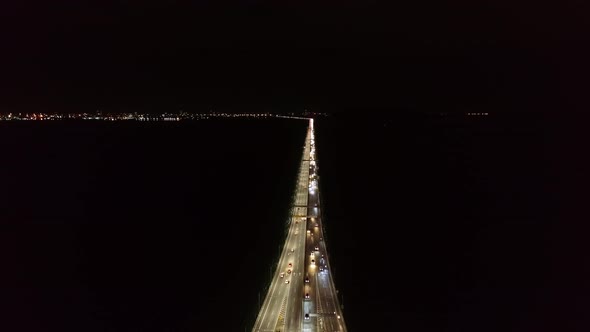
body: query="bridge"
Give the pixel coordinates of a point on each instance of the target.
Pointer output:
(302, 296)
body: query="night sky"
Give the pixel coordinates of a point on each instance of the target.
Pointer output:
(71, 55)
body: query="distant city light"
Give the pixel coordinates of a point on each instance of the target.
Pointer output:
(167, 116)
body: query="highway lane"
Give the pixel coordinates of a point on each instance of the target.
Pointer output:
(281, 309)
(324, 309)
(302, 295)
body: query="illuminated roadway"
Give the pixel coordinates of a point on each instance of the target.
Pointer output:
(302, 295)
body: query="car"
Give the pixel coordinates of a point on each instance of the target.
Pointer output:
(289, 271)
(313, 262)
(282, 274)
(306, 279)
(317, 248)
(290, 264)
(287, 281)
(307, 295)
(306, 316)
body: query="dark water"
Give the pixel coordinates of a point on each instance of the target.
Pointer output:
(452, 224)
(433, 224)
(142, 226)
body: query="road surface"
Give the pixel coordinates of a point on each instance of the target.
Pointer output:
(302, 295)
